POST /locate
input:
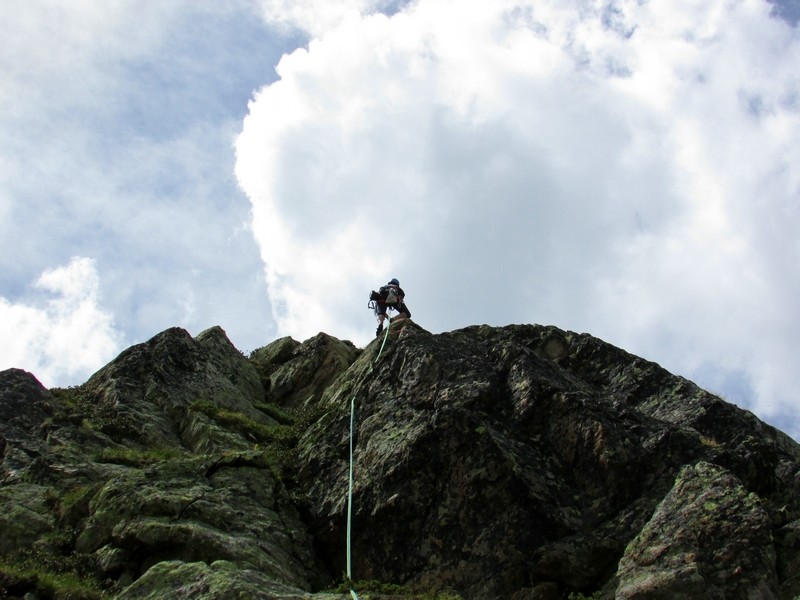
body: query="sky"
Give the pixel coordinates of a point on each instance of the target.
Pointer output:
(623, 168)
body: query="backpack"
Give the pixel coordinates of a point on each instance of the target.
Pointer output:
(389, 295)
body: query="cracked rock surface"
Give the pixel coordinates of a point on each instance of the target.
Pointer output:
(491, 462)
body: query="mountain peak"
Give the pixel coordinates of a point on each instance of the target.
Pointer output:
(517, 462)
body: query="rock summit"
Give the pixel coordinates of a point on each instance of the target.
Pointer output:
(520, 462)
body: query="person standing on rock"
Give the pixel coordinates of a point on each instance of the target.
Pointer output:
(390, 296)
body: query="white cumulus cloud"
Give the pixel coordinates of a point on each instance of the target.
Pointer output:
(116, 129)
(63, 334)
(626, 169)
(316, 17)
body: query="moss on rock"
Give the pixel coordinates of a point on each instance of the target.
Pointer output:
(709, 537)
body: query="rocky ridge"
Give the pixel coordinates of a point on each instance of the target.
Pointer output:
(520, 462)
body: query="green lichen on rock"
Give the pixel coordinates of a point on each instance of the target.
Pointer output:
(709, 537)
(94, 411)
(517, 462)
(296, 374)
(37, 545)
(25, 517)
(218, 580)
(40, 582)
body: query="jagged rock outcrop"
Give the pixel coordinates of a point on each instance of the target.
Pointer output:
(25, 405)
(709, 537)
(152, 387)
(517, 462)
(156, 461)
(296, 375)
(494, 460)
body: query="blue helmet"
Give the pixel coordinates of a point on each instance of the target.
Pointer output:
(394, 282)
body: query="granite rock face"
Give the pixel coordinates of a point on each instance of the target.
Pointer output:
(493, 460)
(709, 537)
(25, 406)
(516, 462)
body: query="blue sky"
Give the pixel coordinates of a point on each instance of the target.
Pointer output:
(623, 169)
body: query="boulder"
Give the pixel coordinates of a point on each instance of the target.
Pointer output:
(26, 516)
(708, 538)
(219, 580)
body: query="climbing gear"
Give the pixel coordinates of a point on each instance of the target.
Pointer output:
(388, 298)
(375, 299)
(394, 282)
(391, 298)
(350, 497)
(350, 479)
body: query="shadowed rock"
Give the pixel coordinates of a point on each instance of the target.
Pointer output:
(708, 538)
(296, 375)
(25, 406)
(495, 459)
(515, 462)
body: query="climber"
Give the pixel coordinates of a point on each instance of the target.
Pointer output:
(390, 296)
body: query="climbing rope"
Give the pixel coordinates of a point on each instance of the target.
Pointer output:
(385, 337)
(350, 499)
(350, 481)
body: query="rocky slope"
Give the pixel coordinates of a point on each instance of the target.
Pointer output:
(521, 462)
